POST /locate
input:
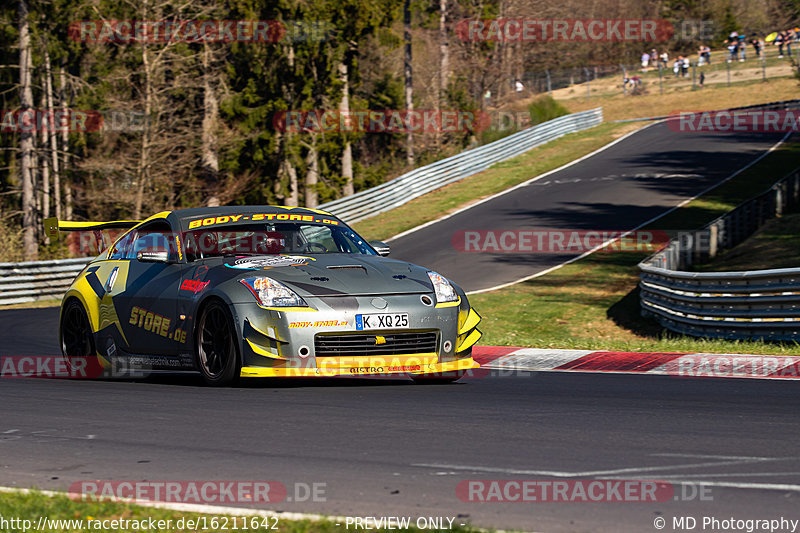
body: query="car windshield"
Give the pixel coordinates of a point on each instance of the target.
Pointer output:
(273, 238)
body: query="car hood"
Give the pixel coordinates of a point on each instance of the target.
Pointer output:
(331, 274)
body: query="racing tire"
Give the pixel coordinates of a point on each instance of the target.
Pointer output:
(77, 340)
(217, 351)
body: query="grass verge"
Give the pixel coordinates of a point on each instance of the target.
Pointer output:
(33, 505)
(617, 107)
(775, 245)
(594, 303)
(31, 305)
(498, 178)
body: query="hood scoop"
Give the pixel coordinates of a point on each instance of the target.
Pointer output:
(347, 267)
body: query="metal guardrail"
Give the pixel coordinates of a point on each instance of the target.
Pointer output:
(425, 179)
(37, 280)
(758, 304)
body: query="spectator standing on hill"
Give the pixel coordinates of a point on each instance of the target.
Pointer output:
(701, 60)
(779, 41)
(685, 66)
(645, 60)
(756, 42)
(664, 59)
(732, 49)
(733, 46)
(742, 45)
(703, 55)
(676, 66)
(790, 37)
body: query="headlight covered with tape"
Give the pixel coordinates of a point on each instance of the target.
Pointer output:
(443, 288)
(271, 293)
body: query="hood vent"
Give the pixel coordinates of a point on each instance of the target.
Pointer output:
(347, 267)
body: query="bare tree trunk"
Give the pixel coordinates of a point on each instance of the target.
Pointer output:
(53, 136)
(444, 52)
(36, 168)
(408, 79)
(30, 247)
(62, 82)
(142, 172)
(44, 199)
(444, 63)
(501, 55)
(210, 158)
(288, 170)
(312, 174)
(347, 153)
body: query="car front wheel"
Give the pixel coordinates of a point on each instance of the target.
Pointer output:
(217, 353)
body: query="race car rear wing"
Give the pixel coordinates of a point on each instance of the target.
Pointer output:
(53, 226)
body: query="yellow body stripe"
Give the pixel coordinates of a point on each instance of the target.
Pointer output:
(449, 304)
(468, 341)
(262, 352)
(472, 320)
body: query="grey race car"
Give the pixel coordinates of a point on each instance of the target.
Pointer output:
(262, 291)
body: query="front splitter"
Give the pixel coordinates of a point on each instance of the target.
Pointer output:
(431, 369)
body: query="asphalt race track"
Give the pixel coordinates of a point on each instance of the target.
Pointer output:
(391, 448)
(620, 188)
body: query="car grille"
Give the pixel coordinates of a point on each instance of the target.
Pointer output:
(367, 344)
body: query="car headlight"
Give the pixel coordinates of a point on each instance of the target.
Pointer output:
(443, 289)
(271, 293)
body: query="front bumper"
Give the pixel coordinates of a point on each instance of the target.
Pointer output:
(283, 343)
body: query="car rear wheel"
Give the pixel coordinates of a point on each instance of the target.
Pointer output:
(217, 353)
(77, 341)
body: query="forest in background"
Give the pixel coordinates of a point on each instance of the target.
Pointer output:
(194, 123)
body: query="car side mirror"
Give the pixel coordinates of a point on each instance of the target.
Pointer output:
(153, 257)
(381, 247)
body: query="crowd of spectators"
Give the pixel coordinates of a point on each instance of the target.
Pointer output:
(736, 45)
(737, 50)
